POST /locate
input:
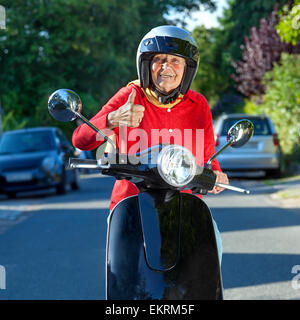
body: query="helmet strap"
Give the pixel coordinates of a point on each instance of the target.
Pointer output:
(165, 99)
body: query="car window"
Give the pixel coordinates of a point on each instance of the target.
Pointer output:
(261, 126)
(26, 142)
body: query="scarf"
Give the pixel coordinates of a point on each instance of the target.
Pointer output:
(152, 98)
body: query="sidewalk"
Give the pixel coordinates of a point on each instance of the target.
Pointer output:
(288, 194)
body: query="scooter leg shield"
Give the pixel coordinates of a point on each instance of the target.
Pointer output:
(162, 247)
(128, 276)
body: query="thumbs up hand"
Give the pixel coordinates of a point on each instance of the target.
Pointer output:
(129, 114)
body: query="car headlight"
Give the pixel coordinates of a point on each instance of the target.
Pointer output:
(176, 165)
(48, 163)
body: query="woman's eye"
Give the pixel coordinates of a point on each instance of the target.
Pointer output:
(157, 60)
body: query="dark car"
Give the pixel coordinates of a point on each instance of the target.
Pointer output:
(36, 158)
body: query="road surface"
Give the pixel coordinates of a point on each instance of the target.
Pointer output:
(53, 247)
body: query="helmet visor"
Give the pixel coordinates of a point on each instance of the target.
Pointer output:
(170, 45)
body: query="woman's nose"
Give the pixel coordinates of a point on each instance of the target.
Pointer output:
(165, 64)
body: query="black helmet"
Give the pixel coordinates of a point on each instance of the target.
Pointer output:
(170, 40)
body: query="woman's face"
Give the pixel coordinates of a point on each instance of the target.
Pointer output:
(167, 71)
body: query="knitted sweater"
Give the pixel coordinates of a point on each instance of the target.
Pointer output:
(187, 122)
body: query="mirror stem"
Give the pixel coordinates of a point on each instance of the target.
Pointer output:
(105, 137)
(218, 152)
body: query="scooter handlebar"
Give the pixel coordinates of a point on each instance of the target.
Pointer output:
(76, 163)
(227, 186)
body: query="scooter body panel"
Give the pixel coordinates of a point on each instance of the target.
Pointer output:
(162, 246)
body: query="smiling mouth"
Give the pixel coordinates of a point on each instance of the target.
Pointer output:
(167, 76)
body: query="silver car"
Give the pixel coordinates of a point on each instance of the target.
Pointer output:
(262, 152)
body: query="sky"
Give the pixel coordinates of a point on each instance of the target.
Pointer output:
(206, 18)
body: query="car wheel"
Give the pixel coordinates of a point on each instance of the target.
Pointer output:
(274, 173)
(62, 186)
(278, 172)
(75, 183)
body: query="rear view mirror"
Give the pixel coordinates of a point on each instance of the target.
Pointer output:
(64, 104)
(240, 133)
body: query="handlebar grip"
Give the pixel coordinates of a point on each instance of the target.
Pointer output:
(83, 163)
(227, 186)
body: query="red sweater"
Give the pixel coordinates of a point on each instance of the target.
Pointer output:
(180, 124)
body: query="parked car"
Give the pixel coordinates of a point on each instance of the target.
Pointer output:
(262, 152)
(36, 158)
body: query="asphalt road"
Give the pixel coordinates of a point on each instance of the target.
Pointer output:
(53, 247)
(261, 243)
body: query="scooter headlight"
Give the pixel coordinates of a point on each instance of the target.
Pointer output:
(176, 165)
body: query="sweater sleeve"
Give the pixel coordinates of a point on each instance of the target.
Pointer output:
(209, 138)
(86, 138)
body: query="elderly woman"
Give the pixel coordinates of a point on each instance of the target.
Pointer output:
(159, 107)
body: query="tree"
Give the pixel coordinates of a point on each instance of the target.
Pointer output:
(281, 102)
(239, 18)
(88, 46)
(207, 78)
(70, 44)
(260, 52)
(235, 24)
(288, 26)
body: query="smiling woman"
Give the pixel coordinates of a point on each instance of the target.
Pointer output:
(167, 72)
(159, 101)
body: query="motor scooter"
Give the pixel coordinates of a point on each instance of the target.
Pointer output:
(161, 243)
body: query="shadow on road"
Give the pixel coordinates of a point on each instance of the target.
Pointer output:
(249, 269)
(91, 185)
(238, 219)
(64, 258)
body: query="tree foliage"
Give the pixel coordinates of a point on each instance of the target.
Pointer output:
(239, 18)
(282, 101)
(207, 77)
(260, 52)
(53, 44)
(209, 80)
(220, 46)
(88, 46)
(288, 27)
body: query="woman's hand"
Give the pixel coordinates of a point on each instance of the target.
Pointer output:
(221, 178)
(129, 114)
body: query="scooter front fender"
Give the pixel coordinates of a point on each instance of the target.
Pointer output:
(162, 246)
